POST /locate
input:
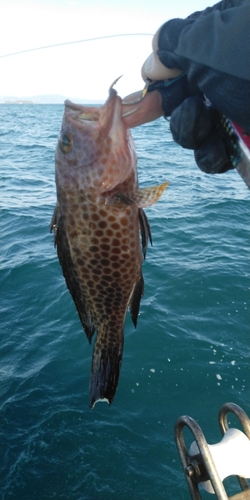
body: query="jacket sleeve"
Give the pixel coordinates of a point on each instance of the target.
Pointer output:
(213, 47)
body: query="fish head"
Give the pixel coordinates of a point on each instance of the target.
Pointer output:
(95, 148)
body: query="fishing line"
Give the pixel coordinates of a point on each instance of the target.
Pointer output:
(74, 42)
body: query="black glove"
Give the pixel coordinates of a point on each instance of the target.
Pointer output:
(194, 124)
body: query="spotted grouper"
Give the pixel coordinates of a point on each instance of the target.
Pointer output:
(96, 222)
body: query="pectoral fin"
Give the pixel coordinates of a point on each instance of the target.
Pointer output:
(146, 197)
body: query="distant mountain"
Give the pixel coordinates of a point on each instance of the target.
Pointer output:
(45, 99)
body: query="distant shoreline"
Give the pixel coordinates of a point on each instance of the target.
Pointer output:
(24, 103)
(47, 99)
(17, 102)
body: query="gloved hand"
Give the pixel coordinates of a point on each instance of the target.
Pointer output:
(194, 125)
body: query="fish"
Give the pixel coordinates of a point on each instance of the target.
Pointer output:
(101, 231)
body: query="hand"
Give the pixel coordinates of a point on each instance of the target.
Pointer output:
(192, 126)
(150, 108)
(191, 122)
(195, 125)
(162, 97)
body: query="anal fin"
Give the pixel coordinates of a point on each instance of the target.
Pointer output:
(145, 231)
(136, 299)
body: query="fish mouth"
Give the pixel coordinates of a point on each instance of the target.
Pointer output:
(85, 114)
(105, 120)
(81, 113)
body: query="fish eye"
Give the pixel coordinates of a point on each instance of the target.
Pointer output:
(66, 143)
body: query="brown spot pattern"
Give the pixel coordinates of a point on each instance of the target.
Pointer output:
(108, 261)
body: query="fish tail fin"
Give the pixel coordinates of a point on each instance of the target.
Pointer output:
(106, 364)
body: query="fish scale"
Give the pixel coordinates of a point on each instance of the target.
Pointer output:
(97, 222)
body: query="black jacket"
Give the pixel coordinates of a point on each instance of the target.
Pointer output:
(213, 47)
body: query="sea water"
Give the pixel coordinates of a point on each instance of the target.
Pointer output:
(188, 355)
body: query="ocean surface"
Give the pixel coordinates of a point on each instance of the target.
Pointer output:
(188, 355)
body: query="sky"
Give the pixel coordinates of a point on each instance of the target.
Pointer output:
(83, 70)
